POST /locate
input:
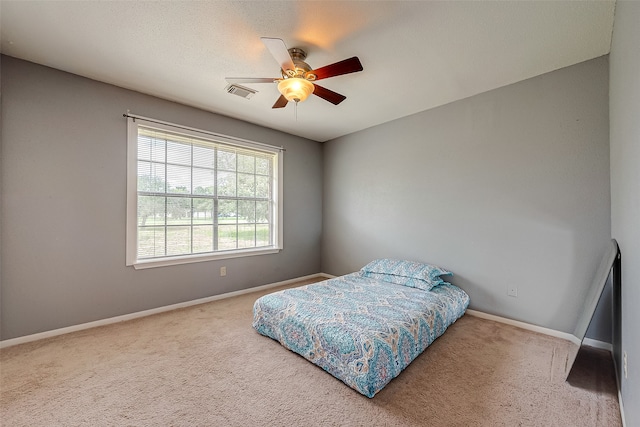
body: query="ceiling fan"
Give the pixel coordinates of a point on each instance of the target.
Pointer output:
(296, 83)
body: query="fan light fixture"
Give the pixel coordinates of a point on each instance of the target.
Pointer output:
(298, 78)
(295, 88)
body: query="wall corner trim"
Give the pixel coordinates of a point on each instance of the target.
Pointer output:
(624, 422)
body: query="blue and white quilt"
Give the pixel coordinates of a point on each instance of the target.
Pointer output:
(361, 330)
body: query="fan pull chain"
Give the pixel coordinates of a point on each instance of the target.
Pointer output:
(296, 110)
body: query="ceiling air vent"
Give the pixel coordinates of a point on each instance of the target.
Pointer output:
(242, 91)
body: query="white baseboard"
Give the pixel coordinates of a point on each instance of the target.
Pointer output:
(524, 325)
(136, 315)
(144, 313)
(598, 344)
(546, 331)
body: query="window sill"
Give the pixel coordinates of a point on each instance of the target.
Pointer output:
(189, 259)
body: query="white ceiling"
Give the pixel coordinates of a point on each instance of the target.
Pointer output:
(416, 55)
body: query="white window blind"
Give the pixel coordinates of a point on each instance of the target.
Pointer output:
(199, 197)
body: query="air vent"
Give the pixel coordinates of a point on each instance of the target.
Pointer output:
(242, 91)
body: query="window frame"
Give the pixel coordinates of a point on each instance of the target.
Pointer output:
(132, 195)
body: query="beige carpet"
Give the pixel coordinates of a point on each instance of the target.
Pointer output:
(206, 366)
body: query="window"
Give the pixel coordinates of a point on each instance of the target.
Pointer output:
(196, 196)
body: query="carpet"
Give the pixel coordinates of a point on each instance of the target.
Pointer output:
(205, 366)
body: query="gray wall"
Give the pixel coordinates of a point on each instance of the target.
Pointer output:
(625, 188)
(509, 187)
(63, 205)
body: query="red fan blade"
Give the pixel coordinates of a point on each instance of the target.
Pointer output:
(328, 95)
(281, 102)
(279, 51)
(241, 80)
(347, 66)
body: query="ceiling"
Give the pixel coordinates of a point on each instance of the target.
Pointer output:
(416, 55)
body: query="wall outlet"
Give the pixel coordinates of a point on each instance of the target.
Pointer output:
(624, 364)
(512, 291)
(223, 271)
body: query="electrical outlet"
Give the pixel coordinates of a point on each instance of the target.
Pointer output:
(512, 291)
(223, 271)
(624, 364)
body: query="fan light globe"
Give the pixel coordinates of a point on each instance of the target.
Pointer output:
(295, 89)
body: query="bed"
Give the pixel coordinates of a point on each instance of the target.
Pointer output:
(366, 327)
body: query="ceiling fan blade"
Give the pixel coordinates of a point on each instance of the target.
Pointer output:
(279, 51)
(241, 80)
(346, 66)
(281, 102)
(328, 95)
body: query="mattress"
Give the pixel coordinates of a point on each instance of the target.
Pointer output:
(361, 330)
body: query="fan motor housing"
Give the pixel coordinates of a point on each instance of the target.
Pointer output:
(302, 68)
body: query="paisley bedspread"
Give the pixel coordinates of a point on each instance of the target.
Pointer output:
(361, 330)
